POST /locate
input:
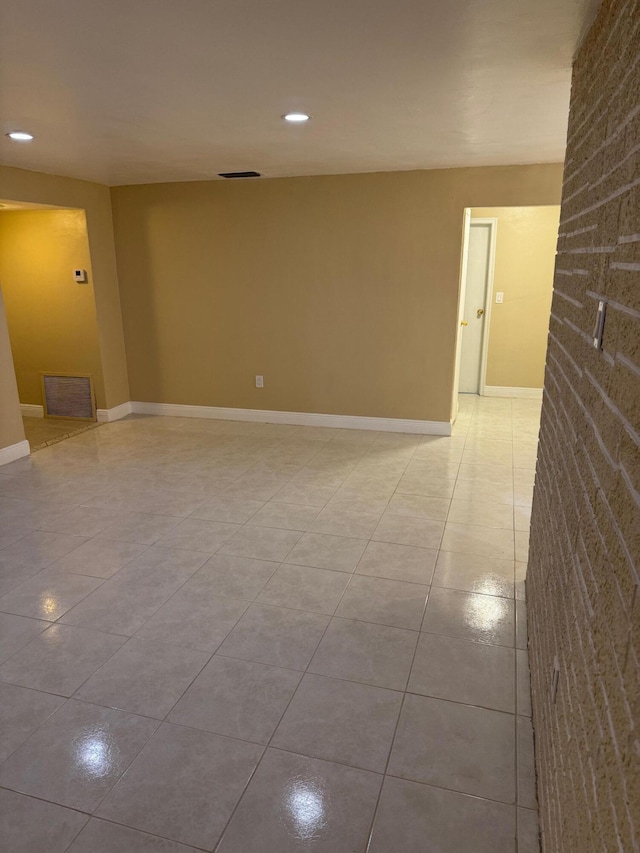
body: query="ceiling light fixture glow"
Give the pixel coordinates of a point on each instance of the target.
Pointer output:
(20, 136)
(296, 117)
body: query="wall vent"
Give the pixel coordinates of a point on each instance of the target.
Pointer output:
(238, 174)
(67, 396)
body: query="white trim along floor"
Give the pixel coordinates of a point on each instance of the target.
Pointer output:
(263, 638)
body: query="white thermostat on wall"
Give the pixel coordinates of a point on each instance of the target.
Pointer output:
(80, 276)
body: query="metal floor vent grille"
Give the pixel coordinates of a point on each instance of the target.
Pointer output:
(68, 396)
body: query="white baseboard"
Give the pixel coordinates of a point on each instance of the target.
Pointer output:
(295, 418)
(14, 451)
(114, 414)
(507, 391)
(30, 411)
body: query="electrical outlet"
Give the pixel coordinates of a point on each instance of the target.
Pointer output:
(259, 381)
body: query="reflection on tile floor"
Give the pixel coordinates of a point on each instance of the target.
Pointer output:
(257, 638)
(41, 432)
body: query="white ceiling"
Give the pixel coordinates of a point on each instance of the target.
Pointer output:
(137, 91)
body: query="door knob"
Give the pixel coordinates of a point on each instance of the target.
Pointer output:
(464, 323)
(480, 312)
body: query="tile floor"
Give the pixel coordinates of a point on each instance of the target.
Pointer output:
(256, 638)
(41, 432)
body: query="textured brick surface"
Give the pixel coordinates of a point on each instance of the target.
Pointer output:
(583, 577)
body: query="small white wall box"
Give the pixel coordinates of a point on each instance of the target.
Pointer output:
(80, 276)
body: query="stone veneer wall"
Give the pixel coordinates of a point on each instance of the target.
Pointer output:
(583, 583)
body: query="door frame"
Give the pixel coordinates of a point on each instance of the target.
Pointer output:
(492, 222)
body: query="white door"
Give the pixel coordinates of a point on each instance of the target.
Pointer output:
(475, 304)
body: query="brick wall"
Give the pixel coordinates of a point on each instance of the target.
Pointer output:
(583, 581)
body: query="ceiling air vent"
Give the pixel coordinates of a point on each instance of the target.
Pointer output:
(239, 174)
(68, 396)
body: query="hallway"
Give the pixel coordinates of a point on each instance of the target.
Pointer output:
(256, 637)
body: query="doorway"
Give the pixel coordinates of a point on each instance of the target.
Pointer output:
(47, 290)
(506, 286)
(477, 305)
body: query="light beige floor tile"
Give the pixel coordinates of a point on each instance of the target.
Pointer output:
(21, 712)
(521, 625)
(415, 818)
(460, 747)
(253, 489)
(301, 493)
(324, 551)
(349, 523)
(294, 802)
(16, 632)
(99, 558)
(184, 785)
(481, 618)
(144, 678)
(28, 825)
(288, 516)
(499, 474)
(419, 506)
(48, 595)
(481, 512)
(417, 484)
(401, 530)
(83, 521)
(60, 659)
(125, 602)
(100, 836)
(523, 683)
(76, 756)
(195, 534)
(40, 549)
(475, 573)
(194, 617)
(528, 832)
(239, 577)
(261, 543)
(359, 501)
(477, 491)
(387, 602)
(340, 721)
(141, 527)
(522, 515)
(522, 546)
(305, 588)
(398, 562)
(276, 636)
(367, 653)
(475, 539)
(521, 576)
(526, 768)
(463, 671)
(237, 698)
(441, 469)
(229, 510)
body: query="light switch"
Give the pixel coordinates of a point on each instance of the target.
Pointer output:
(499, 297)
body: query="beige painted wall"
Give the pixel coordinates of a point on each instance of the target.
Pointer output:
(11, 429)
(525, 255)
(51, 318)
(341, 290)
(94, 199)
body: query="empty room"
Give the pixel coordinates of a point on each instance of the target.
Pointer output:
(319, 426)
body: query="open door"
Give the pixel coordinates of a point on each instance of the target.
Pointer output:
(461, 302)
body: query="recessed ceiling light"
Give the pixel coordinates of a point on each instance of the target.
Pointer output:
(20, 136)
(296, 117)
